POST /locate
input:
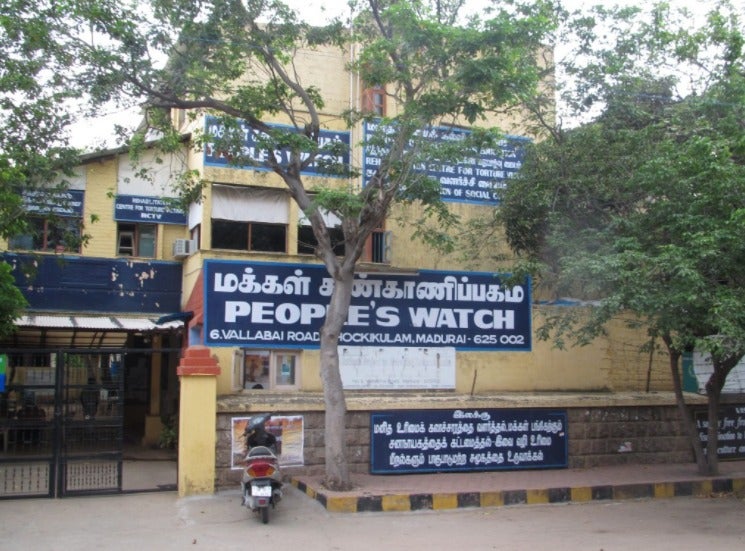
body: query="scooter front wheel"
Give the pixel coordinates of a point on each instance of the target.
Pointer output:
(265, 515)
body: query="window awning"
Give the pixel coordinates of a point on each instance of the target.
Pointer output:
(74, 330)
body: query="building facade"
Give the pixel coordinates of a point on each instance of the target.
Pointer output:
(430, 342)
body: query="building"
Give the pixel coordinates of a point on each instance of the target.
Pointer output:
(214, 313)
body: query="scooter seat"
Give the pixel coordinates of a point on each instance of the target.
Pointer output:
(260, 451)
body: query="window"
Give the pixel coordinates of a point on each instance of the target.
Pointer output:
(249, 236)
(307, 242)
(136, 239)
(306, 239)
(264, 369)
(249, 219)
(285, 370)
(59, 234)
(378, 247)
(373, 100)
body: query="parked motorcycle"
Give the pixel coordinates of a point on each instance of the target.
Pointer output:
(262, 481)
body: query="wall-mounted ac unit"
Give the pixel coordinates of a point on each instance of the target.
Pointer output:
(184, 247)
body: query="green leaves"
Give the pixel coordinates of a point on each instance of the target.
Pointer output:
(640, 210)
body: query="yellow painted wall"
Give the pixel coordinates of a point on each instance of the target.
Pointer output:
(100, 189)
(197, 418)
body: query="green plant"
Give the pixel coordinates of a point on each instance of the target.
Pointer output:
(169, 434)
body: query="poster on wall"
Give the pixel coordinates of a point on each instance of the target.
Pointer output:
(287, 429)
(278, 305)
(426, 441)
(389, 368)
(731, 444)
(702, 368)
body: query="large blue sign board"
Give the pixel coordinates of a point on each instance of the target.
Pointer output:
(425, 441)
(284, 306)
(329, 141)
(472, 180)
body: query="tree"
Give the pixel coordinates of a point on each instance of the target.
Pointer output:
(235, 60)
(641, 210)
(35, 154)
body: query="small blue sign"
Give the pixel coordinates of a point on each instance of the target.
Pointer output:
(154, 210)
(59, 203)
(426, 441)
(3, 371)
(731, 445)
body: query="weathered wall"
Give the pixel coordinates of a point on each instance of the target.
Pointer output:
(618, 432)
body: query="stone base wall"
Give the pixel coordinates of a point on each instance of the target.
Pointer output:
(597, 436)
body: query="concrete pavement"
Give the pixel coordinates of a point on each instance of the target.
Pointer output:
(163, 521)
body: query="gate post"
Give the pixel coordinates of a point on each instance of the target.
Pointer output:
(197, 437)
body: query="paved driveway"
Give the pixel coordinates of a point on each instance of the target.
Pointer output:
(165, 522)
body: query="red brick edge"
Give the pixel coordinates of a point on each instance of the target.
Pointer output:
(197, 361)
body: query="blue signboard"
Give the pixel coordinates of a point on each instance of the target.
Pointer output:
(473, 180)
(59, 203)
(731, 445)
(3, 371)
(139, 208)
(284, 305)
(90, 284)
(329, 142)
(425, 441)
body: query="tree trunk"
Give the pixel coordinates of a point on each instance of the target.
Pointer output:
(337, 468)
(722, 366)
(689, 423)
(712, 433)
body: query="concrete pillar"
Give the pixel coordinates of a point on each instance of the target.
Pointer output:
(153, 421)
(197, 437)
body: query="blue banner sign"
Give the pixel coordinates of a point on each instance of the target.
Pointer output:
(425, 441)
(252, 149)
(284, 305)
(139, 208)
(731, 431)
(3, 371)
(473, 180)
(58, 203)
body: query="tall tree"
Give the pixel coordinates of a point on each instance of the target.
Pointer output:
(235, 59)
(641, 210)
(34, 151)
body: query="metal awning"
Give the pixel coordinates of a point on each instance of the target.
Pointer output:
(73, 330)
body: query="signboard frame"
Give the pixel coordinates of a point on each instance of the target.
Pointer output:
(427, 441)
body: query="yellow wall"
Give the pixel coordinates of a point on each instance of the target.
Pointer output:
(614, 363)
(100, 189)
(197, 438)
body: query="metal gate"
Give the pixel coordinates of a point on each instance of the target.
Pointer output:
(61, 423)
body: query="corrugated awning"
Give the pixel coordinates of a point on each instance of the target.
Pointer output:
(104, 322)
(72, 330)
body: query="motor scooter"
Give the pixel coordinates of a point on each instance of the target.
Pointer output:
(262, 481)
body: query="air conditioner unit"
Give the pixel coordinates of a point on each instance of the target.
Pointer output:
(184, 247)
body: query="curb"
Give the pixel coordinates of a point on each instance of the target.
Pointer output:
(581, 494)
